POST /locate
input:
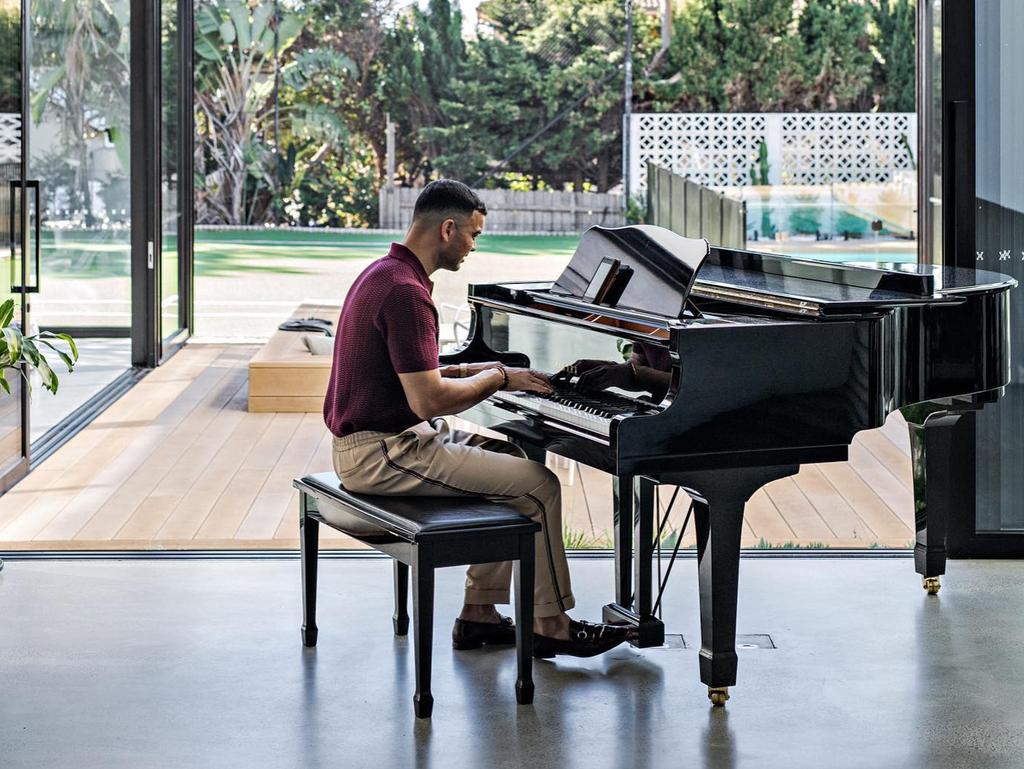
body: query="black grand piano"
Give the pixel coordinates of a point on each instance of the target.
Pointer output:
(718, 371)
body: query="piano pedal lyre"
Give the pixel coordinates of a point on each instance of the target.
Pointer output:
(931, 584)
(718, 695)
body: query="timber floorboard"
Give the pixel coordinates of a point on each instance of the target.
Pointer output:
(178, 463)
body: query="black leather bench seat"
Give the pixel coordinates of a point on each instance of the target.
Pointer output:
(412, 518)
(421, 534)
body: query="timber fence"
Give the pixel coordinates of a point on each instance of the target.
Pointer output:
(537, 211)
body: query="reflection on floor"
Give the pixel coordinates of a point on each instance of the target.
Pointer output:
(100, 362)
(199, 664)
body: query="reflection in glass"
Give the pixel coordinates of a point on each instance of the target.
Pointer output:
(79, 78)
(583, 360)
(1000, 242)
(10, 169)
(170, 214)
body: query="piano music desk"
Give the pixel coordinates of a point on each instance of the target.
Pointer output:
(284, 375)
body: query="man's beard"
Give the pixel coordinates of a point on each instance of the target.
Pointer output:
(452, 261)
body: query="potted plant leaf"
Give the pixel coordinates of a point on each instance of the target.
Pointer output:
(21, 352)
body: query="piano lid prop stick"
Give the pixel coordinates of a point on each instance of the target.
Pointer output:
(664, 520)
(672, 560)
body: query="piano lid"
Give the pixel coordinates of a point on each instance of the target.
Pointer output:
(664, 266)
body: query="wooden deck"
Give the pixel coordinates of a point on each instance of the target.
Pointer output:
(178, 463)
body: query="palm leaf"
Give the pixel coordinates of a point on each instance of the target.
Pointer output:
(63, 337)
(6, 312)
(12, 339)
(63, 355)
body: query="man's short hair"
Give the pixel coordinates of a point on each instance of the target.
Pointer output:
(444, 198)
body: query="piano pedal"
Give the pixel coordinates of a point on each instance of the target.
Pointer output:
(718, 695)
(931, 584)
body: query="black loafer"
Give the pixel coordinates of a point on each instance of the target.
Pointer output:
(473, 635)
(585, 640)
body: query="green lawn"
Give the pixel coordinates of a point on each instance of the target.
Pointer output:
(89, 254)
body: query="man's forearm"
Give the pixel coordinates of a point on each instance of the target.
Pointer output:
(457, 396)
(455, 371)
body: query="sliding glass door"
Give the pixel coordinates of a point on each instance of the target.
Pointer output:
(998, 204)
(13, 267)
(175, 162)
(95, 198)
(971, 127)
(79, 136)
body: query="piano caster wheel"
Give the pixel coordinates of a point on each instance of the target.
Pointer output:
(931, 584)
(718, 695)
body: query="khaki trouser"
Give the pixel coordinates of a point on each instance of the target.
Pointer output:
(429, 459)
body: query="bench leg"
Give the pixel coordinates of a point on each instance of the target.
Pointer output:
(309, 544)
(401, 615)
(423, 628)
(523, 569)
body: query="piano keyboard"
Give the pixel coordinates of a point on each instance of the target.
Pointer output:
(588, 412)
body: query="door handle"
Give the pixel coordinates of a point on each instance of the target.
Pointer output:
(960, 210)
(27, 184)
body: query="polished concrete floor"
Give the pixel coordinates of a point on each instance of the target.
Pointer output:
(198, 664)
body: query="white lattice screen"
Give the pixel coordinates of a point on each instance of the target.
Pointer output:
(720, 149)
(10, 137)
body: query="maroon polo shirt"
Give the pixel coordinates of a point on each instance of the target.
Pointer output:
(388, 326)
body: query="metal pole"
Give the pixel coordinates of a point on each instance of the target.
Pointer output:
(389, 180)
(627, 104)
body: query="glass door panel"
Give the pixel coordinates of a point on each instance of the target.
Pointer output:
(79, 151)
(171, 320)
(13, 461)
(999, 223)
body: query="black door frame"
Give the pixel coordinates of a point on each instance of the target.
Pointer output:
(149, 348)
(959, 236)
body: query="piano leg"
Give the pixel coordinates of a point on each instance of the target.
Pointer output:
(634, 526)
(931, 451)
(719, 497)
(622, 501)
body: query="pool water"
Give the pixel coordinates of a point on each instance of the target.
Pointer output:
(826, 214)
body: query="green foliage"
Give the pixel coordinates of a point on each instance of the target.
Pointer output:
(781, 55)
(10, 59)
(837, 59)
(80, 59)
(576, 539)
(759, 174)
(533, 101)
(764, 544)
(235, 43)
(336, 191)
(636, 209)
(895, 63)
(19, 352)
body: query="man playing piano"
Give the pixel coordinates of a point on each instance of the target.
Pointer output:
(384, 405)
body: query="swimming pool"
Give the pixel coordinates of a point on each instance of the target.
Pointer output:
(828, 212)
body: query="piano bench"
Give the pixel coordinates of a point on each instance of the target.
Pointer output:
(421, 533)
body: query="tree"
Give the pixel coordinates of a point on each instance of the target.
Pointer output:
(895, 58)
(356, 31)
(418, 66)
(837, 59)
(784, 55)
(235, 44)
(545, 81)
(80, 52)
